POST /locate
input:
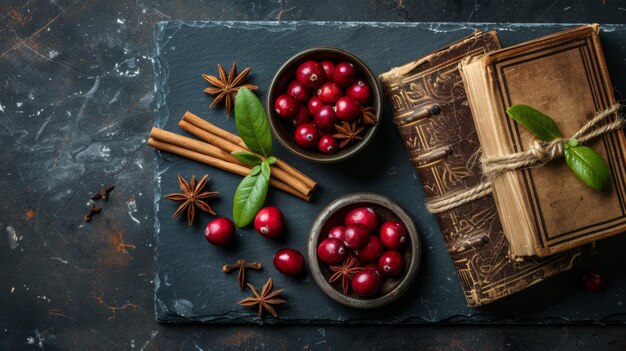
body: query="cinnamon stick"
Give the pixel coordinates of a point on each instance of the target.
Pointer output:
(193, 144)
(221, 164)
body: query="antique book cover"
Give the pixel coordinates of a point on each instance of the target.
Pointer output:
(545, 210)
(431, 112)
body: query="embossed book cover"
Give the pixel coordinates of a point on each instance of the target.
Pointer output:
(432, 114)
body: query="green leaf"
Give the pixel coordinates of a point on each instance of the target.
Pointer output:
(588, 166)
(247, 158)
(265, 170)
(271, 160)
(542, 126)
(249, 197)
(252, 123)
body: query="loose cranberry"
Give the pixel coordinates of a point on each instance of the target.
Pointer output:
(366, 282)
(329, 67)
(306, 135)
(344, 74)
(374, 267)
(298, 91)
(327, 144)
(363, 215)
(356, 236)
(286, 106)
(371, 251)
(393, 235)
(337, 232)
(325, 118)
(360, 91)
(347, 109)
(314, 104)
(331, 251)
(289, 262)
(329, 92)
(391, 263)
(593, 281)
(220, 231)
(269, 222)
(311, 74)
(301, 117)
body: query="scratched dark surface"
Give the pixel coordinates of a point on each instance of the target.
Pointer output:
(76, 106)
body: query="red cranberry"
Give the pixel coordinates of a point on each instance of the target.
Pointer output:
(593, 281)
(363, 215)
(356, 236)
(391, 263)
(298, 91)
(393, 235)
(360, 91)
(366, 282)
(327, 144)
(374, 267)
(329, 67)
(286, 106)
(314, 104)
(337, 232)
(329, 92)
(289, 262)
(301, 117)
(325, 118)
(311, 74)
(347, 109)
(331, 251)
(220, 231)
(306, 135)
(344, 74)
(269, 222)
(371, 251)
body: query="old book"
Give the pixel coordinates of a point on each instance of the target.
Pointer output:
(430, 110)
(545, 210)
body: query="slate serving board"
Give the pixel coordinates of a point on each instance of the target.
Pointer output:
(189, 283)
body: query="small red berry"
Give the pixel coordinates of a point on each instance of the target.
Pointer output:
(301, 117)
(363, 215)
(356, 236)
(325, 118)
(327, 144)
(331, 251)
(220, 231)
(329, 67)
(360, 91)
(347, 109)
(298, 91)
(374, 267)
(311, 74)
(306, 135)
(337, 232)
(286, 106)
(393, 235)
(391, 263)
(269, 222)
(314, 104)
(289, 262)
(371, 251)
(366, 282)
(329, 92)
(593, 281)
(344, 74)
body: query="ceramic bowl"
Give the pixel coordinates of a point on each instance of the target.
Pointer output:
(332, 215)
(283, 131)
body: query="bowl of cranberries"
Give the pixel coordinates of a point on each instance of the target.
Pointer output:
(364, 250)
(324, 105)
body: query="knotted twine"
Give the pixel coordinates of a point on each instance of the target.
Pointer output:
(539, 153)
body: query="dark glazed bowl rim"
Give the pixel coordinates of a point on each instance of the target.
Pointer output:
(314, 237)
(314, 156)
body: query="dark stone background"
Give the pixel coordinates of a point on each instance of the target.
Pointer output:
(76, 104)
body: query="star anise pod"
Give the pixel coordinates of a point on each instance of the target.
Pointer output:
(348, 132)
(226, 87)
(345, 271)
(192, 197)
(266, 299)
(368, 116)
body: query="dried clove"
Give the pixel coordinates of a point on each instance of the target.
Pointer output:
(94, 209)
(242, 265)
(103, 194)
